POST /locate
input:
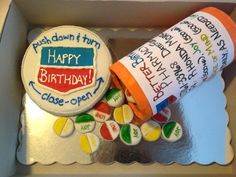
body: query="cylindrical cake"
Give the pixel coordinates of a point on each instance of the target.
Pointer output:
(176, 61)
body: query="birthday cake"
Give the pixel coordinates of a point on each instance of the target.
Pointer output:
(65, 70)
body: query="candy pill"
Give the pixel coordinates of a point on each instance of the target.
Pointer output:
(101, 112)
(172, 131)
(151, 130)
(109, 130)
(162, 116)
(84, 123)
(89, 142)
(123, 114)
(130, 134)
(129, 96)
(63, 127)
(115, 97)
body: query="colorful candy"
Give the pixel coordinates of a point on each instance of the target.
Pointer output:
(129, 96)
(109, 130)
(172, 131)
(63, 127)
(84, 123)
(151, 130)
(89, 142)
(115, 97)
(101, 111)
(123, 114)
(130, 134)
(162, 116)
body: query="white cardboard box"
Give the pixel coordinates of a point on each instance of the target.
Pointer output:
(18, 16)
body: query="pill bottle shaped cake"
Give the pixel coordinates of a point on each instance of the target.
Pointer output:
(65, 70)
(168, 66)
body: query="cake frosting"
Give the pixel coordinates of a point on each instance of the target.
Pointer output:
(65, 70)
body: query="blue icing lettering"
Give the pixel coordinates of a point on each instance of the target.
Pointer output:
(46, 40)
(135, 59)
(99, 81)
(32, 84)
(40, 42)
(52, 99)
(90, 41)
(67, 56)
(63, 37)
(88, 95)
(76, 101)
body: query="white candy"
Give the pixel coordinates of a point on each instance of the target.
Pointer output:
(63, 127)
(101, 111)
(109, 130)
(89, 143)
(123, 114)
(130, 134)
(172, 131)
(85, 123)
(129, 97)
(115, 97)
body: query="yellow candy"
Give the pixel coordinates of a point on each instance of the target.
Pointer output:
(63, 127)
(84, 144)
(123, 114)
(89, 142)
(151, 130)
(118, 115)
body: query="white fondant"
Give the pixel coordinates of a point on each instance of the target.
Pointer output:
(148, 126)
(129, 97)
(85, 127)
(99, 116)
(93, 141)
(117, 100)
(135, 139)
(113, 128)
(173, 137)
(74, 101)
(127, 117)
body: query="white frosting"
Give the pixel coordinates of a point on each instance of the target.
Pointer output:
(65, 70)
(85, 127)
(113, 128)
(135, 139)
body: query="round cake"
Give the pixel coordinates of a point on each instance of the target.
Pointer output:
(65, 70)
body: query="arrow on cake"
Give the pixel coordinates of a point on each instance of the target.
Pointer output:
(100, 81)
(32, 83)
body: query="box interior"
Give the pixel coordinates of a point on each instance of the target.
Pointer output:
(127, 24)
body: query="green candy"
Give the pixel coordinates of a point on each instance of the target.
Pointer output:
(130, 134)
(172, 131)
(115, 97)
(84, 123)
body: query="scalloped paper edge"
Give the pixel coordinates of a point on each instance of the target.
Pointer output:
(228, 158)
